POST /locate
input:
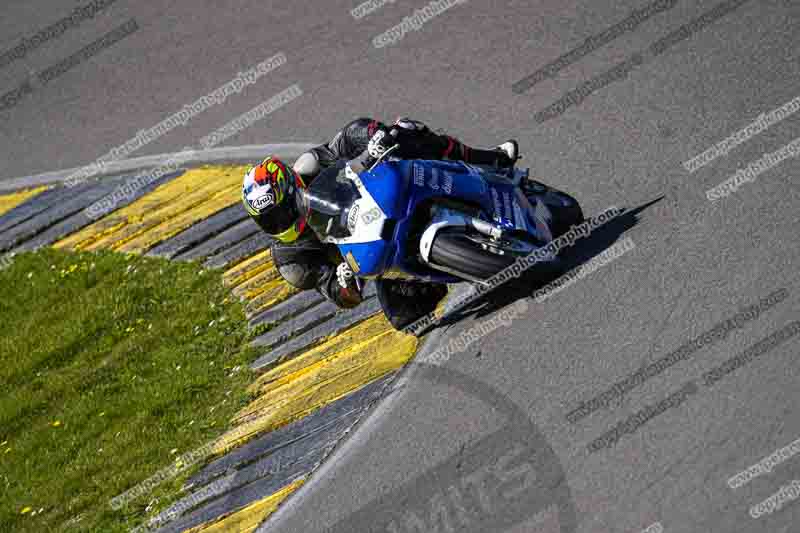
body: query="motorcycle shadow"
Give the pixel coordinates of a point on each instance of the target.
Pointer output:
(583, 251)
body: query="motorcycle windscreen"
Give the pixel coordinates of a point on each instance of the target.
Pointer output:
(327, 203)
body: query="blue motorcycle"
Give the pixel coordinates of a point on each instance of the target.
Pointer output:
(434, 221)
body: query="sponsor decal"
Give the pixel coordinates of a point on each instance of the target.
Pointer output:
(419, 176)
(434, 182)
(371, 216)
(447, 183)
(263, 200)
(351, 261)
(352, 218)
(542, 219)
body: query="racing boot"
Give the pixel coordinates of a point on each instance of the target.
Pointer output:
(510, 149)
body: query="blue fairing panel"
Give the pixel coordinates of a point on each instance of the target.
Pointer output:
(398, 187)
(370, 258)
(389, 186)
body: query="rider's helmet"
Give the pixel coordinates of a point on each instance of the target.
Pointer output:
(269, 196)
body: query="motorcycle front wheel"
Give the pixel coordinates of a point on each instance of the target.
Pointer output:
(469, 254)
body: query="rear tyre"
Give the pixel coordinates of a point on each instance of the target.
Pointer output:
(565, 208)
(566, 217)
(453, 249)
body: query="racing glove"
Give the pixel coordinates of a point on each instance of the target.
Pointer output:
(381, 140)
(349, 285)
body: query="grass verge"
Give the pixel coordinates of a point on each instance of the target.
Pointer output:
(111, 366)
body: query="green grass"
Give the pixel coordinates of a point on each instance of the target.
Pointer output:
(111, 366)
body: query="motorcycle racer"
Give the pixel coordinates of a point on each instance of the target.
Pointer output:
(268, 194)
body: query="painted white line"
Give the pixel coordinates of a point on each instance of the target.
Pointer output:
(357, 437)
(223, 154)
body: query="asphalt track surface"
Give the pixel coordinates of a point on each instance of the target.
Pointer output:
(483, 441)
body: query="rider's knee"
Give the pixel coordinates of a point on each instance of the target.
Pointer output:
(297, 275)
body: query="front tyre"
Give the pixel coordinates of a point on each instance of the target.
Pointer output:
(566, 217)
(458, 251)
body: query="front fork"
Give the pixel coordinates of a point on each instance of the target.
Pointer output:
(497, 239)
(444, 217)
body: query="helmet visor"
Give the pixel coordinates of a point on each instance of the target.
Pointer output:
(278, 219)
